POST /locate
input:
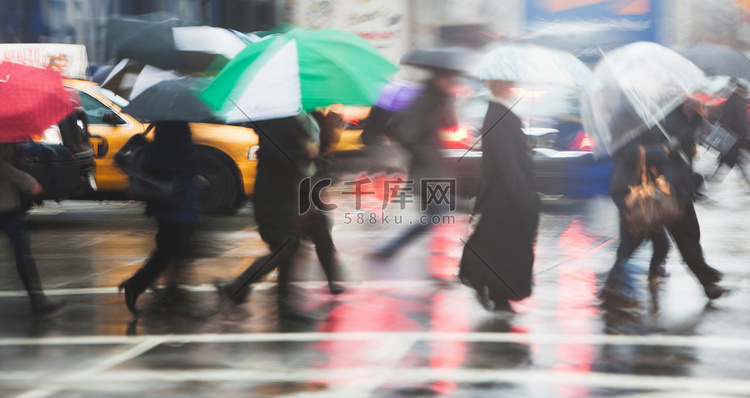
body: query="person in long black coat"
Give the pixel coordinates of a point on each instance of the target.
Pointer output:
(665, 155)
(170, 155)
(287, 147)
(498, 258)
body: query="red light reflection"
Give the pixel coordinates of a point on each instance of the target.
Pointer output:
(575, 312)
(449, 315)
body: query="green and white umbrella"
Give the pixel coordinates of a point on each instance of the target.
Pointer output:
(531, 64)
(298, 71)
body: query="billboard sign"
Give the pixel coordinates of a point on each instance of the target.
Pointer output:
(383, 23)
(586, 27)
(68, 59)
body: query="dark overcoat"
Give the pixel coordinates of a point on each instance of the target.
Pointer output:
(172, 154)
(283, 162)
(499, 255)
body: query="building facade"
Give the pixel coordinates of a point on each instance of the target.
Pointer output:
(394, 26)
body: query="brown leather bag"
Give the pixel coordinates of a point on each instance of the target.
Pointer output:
(652, 204)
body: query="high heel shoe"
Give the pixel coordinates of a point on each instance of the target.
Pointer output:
(131, 296)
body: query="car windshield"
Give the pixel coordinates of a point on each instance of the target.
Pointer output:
(119, 101)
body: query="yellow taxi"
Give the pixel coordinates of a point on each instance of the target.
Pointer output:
(225, 154)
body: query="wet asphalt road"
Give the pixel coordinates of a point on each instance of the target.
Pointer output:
(404, 328)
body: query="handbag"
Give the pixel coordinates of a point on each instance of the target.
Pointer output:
(147, 186)
(652, 204)
(718, 137)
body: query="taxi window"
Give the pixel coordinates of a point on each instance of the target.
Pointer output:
(94, 109)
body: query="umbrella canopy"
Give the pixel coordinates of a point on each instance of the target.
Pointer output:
(208, 48)
(633, 88)
(299, 70)
(130, 78)
(397, 95)
(147, 41)
(455, 59)
(167, 46)
(33, 100)
(101, 73)
(531, 64)
(717, 60)
(171, 100)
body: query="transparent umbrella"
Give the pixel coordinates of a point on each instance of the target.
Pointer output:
(535, 65)
(634, 87)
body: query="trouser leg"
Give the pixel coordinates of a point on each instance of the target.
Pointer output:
(172, 244)
(743, 162)
(15, 227)
(618, 278)
(282, 253)
(686, 234)
(320, 235)
(660, 243)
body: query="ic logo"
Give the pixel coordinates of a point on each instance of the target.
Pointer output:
(310, 195)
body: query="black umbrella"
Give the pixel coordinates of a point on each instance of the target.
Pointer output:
(456, 59)
(171, 100)
(167, 46)
(147, 41)
(101, 73)
(717, 60)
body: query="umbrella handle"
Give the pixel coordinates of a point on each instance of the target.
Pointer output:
(680, 152)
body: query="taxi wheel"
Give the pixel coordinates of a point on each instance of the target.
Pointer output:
(217, 184)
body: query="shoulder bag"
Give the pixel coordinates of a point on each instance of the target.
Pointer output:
(652, 204)
(145, 185)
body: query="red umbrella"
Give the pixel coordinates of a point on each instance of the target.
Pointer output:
(33, 100)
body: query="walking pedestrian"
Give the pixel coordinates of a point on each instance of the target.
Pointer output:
(498, 258)
(14, 182)
(734, 118)
(287, 147)
(417, 130)
(170, 156)
(671, 157)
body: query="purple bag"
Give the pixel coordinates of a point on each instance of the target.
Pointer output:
(397, 95)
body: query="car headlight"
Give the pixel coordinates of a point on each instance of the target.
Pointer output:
(51, 136)
(252, 154)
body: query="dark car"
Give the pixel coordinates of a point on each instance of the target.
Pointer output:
(562, 151)
(61, 159)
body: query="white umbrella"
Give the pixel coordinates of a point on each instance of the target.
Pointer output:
(130, 78)
(209, 40)
(633, 88)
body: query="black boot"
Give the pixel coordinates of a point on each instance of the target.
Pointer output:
(336, 288)
(40, 303)
(288, 312)
(131, 294)
(43, 305)
(229, 292)
(714, 291)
